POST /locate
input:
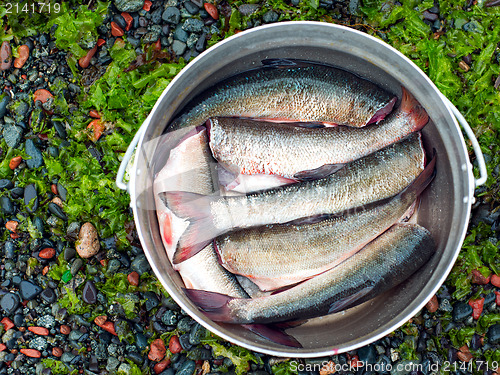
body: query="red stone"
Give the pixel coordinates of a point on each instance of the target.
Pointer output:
(57, 352)
(33, 353)
(109, 327)
(84, 61)
(432, 305)
(495, 280)
(477, 307)
(97, 127)
(133, 278)
(497, 300)
(212, 10)
(2, 347)
(15, 161)
(5, 56)
(42, 331)
(355, 362)
(116, 30)
(23, 52)
(47, 253)
(14, 236)
(478, 278)
(174, 345)
(45, 270)
(100, 42)
(94, 114)
(161, 366)
(158, 45)
(42, 95)
(128, 19)
(100, 320)
(464, 356)
(7, 323)
(157, 350)
(65, 330)
(53, 189)
(11, 225)
(147, 5)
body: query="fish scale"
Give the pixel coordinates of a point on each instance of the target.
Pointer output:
(306, 92)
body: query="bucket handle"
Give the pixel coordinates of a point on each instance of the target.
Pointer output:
(475, 145)
(126, 158)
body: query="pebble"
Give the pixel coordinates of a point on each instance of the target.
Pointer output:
(152, 35)
(5, 56)
(57, 211)
(15, 161)
(461, 310)
(116, 30)
(31, 198)
(9, 249)
(187, 368)
(129, 5)
(69, 253)
(42, 95)
(171, 15)
(247, 9)
(48, 295)
(191, 7)
(3, 105)
(89, 293)
(33, 353)
(42, 331)
(157, 350)
(84, 61)
(9, 303)
(12, 135)
(47, 253)
(193, 25)
(493, 334)
(140, 264)
(23, 52)
(212, 10)
(29, 290)
(47, 321)
(270, 16)
(88, 242)
(36, 159)
(7, 206)
(178, 47)
(133, 278)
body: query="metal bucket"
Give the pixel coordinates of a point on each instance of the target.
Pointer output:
(445, 206)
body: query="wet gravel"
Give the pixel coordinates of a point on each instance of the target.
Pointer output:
(91, 336)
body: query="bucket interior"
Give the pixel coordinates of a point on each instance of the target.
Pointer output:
(444, 207)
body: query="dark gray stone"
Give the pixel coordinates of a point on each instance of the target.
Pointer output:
(461, 311)
(367, 354)
(3, 105)
(156, 16)
(197, 333)
(36, 160)
(247, 9)
(29, 290)
(12, 135)
(57, 211)
(9, 249)
(200, 44)
(69, 253)
(152, 35)
(7, 206)
(151, 300)
(140, 264)
(129, 5)
(270, 16)
(141, 341)
(9, 303)
(187, 368)
(62, 191)
(89, 293)
(178, 47)
(60, 128)
(48, 295)
(31, 198)
(169, 318)
(171, 15)
(76, 265)
(191, 7)
(38, 222)
(493, 334)
(193, 25)
(6, 184)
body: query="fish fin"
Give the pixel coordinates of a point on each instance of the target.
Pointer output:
(383, 112)
(275, 334)
(310, 219)
(227, 178)
(320, 172)
(286, 63)
(345, 302)
(196, 209)
(214, 305)
(290, 324)
(414, 110)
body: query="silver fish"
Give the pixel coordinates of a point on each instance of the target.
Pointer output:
(278, 255)
(372, 178)
(249, 147)
(292, 90)
(382, 264)
(189, 168)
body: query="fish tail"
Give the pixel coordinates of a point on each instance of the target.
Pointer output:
(411, 108)
(196, 209)
(273, 333)
(214, 305)
(423, 180)
(383, 112)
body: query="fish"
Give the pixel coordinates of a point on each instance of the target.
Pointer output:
(249, 147)
(279, 255)
(375, 177)
(189, 167)
(292, 90)
(381, 265)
